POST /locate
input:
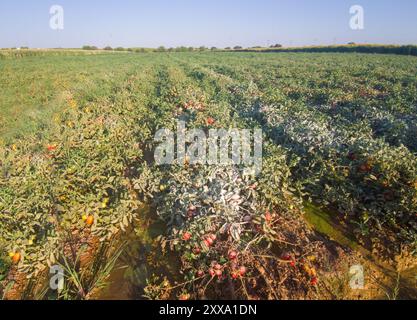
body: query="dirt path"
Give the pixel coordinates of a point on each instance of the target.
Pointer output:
(385, 281)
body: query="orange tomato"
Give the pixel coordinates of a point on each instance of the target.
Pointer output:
(16, 258)
(90, 221)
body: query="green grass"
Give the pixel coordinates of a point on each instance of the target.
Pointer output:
(321, 221)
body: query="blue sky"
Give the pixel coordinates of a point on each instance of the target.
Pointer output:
(139, 23)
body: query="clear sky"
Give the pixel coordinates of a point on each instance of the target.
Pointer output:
(220, 23)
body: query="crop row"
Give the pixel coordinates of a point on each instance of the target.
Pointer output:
(343, 138)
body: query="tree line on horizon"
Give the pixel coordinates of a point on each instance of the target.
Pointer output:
(349, 47)
(172, 49)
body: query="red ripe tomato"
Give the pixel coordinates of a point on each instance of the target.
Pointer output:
(213, 237)
(218, 267)
(210, 121)
(212, 272)
(186, 236)
(219, 273)
(242, 271)
(210, 241)
(200, 273)
(206, 243)
(51, 148)
(197, 250)
(234, 275)
(268, 216)
(314, 281)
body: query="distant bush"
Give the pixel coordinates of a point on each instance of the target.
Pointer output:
(108, 48)
(90, 48)
(382, 49)
(139, 50)
(181, 49)
(237, 48)
(276, 46)
(120, 49)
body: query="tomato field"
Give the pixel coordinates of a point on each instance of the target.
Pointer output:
(79, 187)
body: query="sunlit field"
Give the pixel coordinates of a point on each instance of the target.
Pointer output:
(80, 189)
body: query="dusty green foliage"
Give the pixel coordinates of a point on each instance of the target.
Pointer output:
(83, 169)
(338, 130)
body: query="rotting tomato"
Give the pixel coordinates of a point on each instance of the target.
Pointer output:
(232, 255)
(352, 156)
(200, 273)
